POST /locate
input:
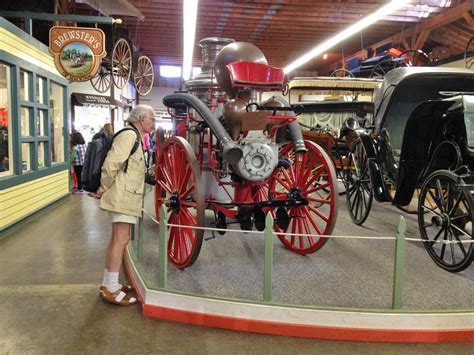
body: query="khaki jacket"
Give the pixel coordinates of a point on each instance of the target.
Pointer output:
(122, 192)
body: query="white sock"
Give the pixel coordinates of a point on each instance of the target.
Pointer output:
(112, 282)
(104, 278)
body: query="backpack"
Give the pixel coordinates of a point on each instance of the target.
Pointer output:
(95, 156)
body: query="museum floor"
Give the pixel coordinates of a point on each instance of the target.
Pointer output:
(50, 273)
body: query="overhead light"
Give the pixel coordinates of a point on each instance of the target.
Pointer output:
(445, 3)
(425, 12)
(348, 32)
(189, 32)
(325, 56)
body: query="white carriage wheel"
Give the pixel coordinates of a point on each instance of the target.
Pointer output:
(121, 63)
(144, 76)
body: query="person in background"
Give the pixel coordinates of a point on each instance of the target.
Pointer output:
(79, 145)
(107, 132)
(4, 163)
(121, 193)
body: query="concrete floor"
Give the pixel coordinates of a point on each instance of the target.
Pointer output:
(50, 273)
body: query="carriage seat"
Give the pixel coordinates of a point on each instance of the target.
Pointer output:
(256, 75)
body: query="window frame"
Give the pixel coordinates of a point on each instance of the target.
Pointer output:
(18, 176)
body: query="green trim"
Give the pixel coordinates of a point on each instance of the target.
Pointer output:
(140, 239)
(14, 180)
(66, 110)
(27, 104)
(12, 227)
(16, 112)
(162, 250)
(10, 27)
(398, 273)
(268, 259)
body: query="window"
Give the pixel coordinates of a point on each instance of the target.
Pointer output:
(40, 90)
(5, 122)
(196, 71)
(170, 71)
(26, 157)
(56, 110)
(25, 85)
(32, 138)
(25, 114)
(41, 155)
(41, 122)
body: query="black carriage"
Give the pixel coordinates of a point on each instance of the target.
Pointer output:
(122, 63)
(380, 64)
(422, 139)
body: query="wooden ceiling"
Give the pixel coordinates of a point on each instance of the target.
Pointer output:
(282, 29)
(285, 29)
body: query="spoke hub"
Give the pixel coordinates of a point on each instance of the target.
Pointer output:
(442, 220)
(174, 203)
(295, 194)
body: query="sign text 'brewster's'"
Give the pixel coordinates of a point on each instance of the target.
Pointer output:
(77, 51)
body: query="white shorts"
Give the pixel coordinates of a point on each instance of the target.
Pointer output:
(122, 218)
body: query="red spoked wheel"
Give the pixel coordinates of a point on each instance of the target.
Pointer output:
(179, 189)
(313, 177)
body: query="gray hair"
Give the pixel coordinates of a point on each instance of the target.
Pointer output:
(140, 112)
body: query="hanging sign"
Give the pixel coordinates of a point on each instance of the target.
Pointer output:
(77, 51)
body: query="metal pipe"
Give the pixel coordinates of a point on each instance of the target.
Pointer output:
(293, 127)
(232, 152)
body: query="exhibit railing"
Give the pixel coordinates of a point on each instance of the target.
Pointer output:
(269, 236)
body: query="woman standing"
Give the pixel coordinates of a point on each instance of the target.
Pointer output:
(79, 152)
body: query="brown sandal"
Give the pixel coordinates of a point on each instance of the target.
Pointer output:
(118, 297)
(125, 288)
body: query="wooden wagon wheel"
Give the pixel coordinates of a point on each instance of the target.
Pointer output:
(469, 54)
(342, 73)
(451, 220)
(121, 63)
(382, 68)
(102, 80)
(312, 177)
(359, 194)
(144, 76)
(179, 189)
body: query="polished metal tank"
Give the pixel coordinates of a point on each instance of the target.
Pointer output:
(201, 84)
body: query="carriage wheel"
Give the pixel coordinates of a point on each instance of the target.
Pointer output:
(342, 73)
(469, 54)
(451, 220)
(341, 179)
(382, 68)
(102, 80)
(121, 63)
(415, 57)
(144, 76)
(311, 176)
(359, 194)
(179, 188)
